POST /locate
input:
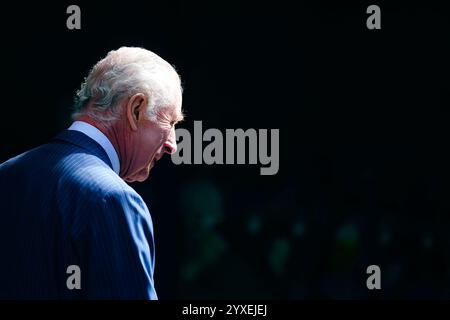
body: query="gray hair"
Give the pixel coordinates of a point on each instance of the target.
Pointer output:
(120, 75)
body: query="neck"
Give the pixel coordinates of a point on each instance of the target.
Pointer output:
(116, 133)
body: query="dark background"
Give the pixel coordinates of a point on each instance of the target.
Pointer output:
(363, 118)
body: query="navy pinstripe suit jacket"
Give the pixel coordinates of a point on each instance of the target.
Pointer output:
(61, 204)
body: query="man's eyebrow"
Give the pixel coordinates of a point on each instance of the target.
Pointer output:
(179, 117)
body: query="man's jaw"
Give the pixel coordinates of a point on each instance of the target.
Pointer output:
(139, 175)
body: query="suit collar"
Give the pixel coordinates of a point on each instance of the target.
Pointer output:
(81, 140)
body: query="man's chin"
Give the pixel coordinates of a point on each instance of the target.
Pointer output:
(140, 176)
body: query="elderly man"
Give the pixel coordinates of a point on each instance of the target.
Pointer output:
(70, 227)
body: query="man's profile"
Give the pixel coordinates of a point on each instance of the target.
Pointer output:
(66, 203)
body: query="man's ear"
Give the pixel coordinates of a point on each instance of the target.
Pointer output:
(136, 107)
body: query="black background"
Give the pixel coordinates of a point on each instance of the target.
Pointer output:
(362, 114)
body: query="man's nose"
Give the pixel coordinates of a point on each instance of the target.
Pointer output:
(170, 146)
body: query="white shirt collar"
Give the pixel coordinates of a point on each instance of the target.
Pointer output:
(99, 137)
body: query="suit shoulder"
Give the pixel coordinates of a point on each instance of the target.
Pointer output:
(100, 183)
(97, 181)
(125, 199)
